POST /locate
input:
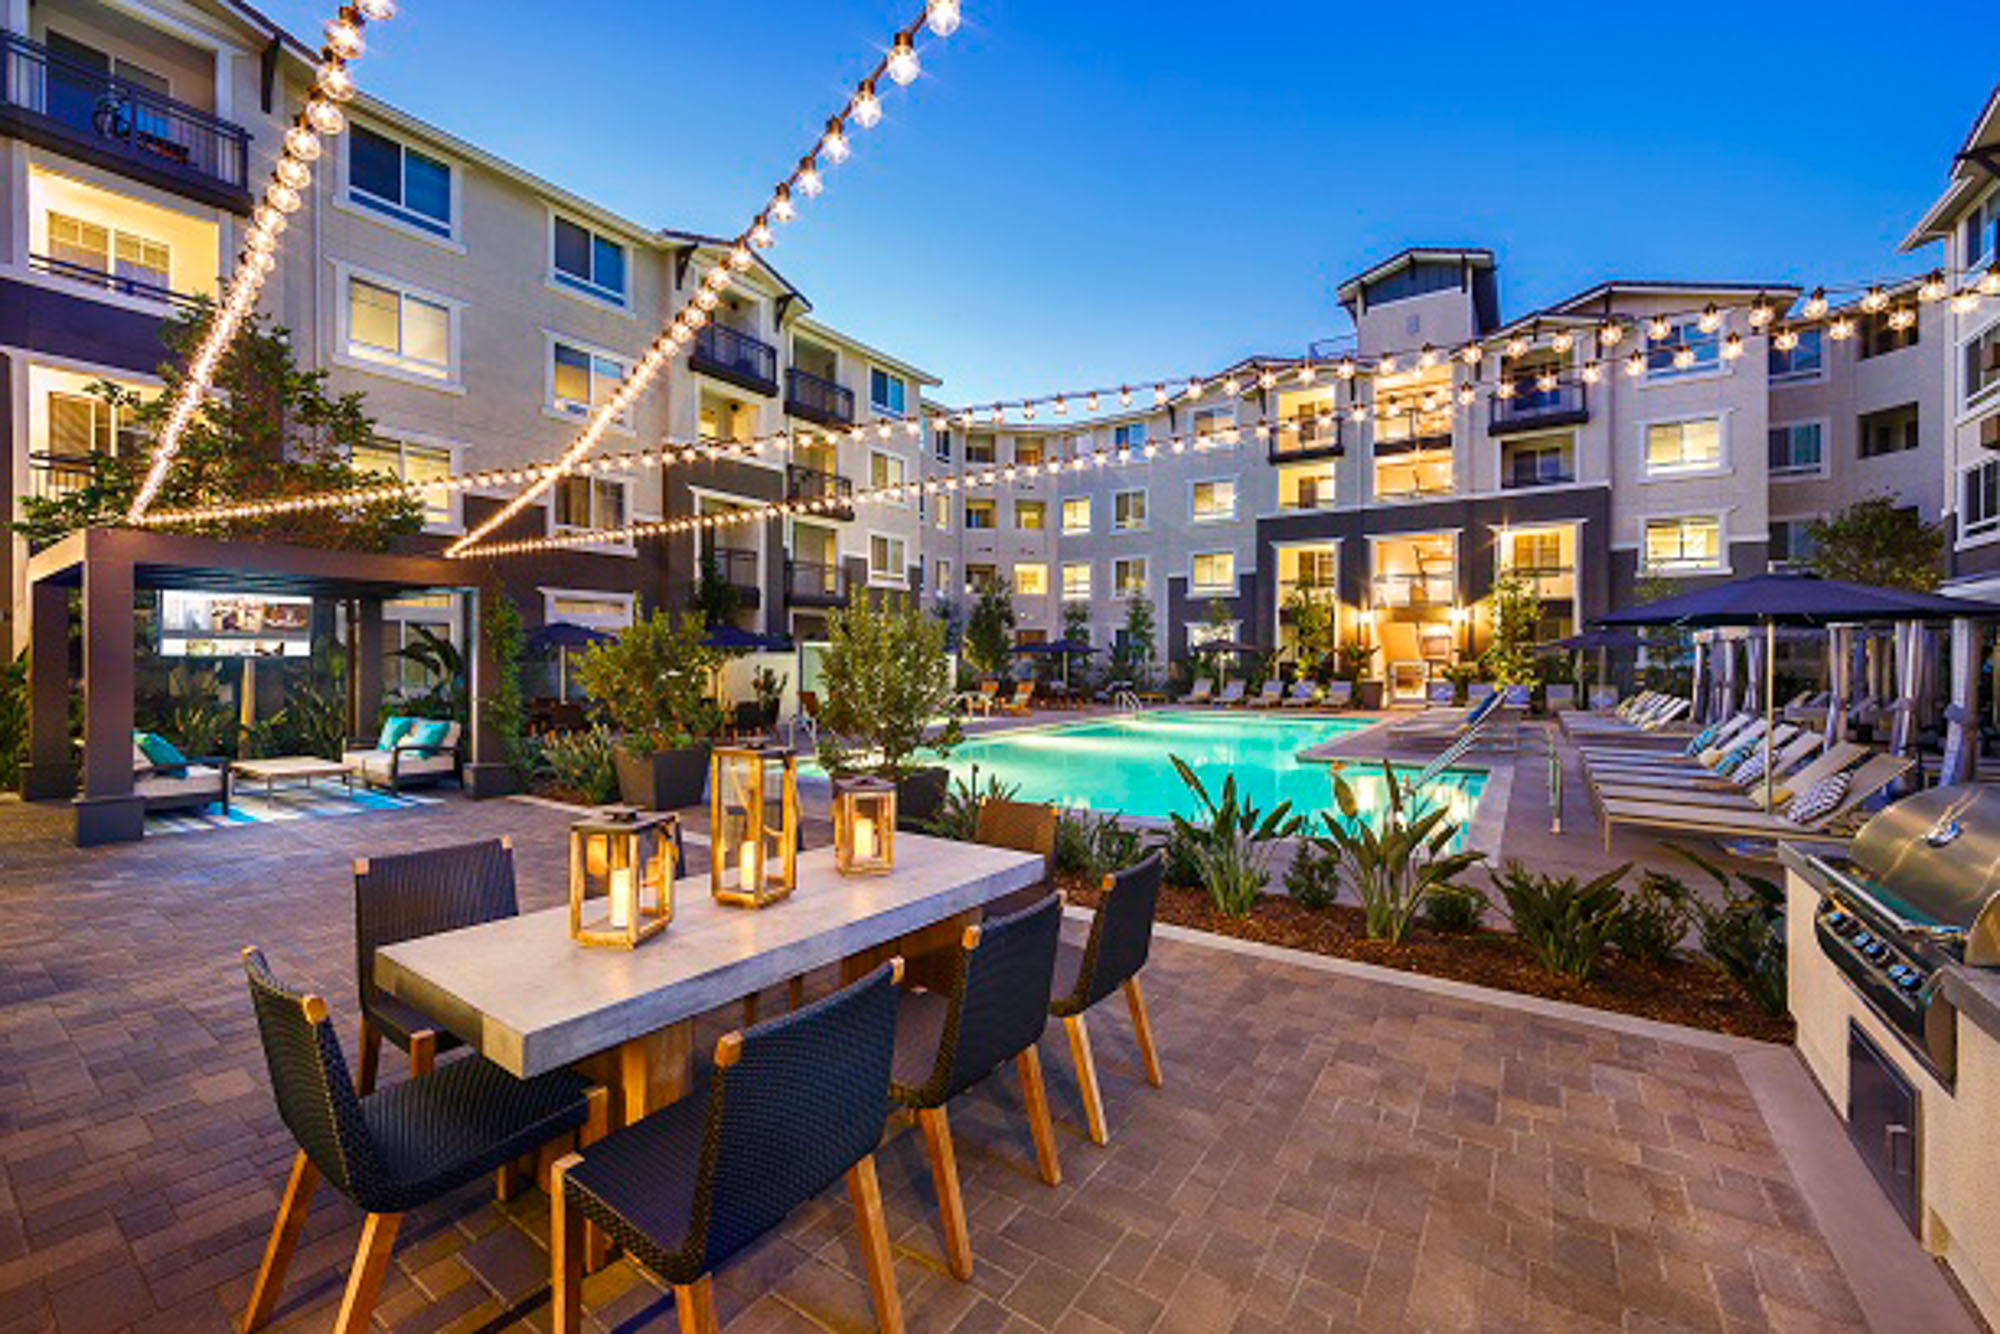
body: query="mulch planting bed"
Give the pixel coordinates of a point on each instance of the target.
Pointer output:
(1687, 991)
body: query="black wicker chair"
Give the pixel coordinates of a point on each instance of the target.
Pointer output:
(1120, 936)
(789, 1107)
(993, 1004)
(408, 896)
(395, 1150)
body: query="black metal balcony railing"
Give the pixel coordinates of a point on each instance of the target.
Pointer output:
(53, 476)
(1532, 407)
(46, 92)
(1526, 475)
(110, 282)
(814, 584)
(1411, 432)
(1305, 438)
(811, 486)
(817, 399)
(732, 355)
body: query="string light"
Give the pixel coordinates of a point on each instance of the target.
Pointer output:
(902, 66)
(291, 174)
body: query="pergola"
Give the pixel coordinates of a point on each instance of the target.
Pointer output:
(110, 566)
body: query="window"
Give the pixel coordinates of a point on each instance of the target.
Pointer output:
(126, 255)
(1881, 336)
(599, 613)
(1213, 572)
(1689, 545)
(944, 578)
(1982, 232)
(1076, 579)
(1128, 577)
(398, 328)
(885, 470)
(82, 424)
(1305, 486)
(1536, 552)
(979, 449)
(1982, 362)
(1132, 435)
(980, 578)
(1801, 362)
(885, 559)
(980, 514)
(1543, 462)
(589, 502)
(1076, 515)
(1703, 352)
(1980, 512)
(584, 380)
(1128, 511)
(1890, 431)
(1212, 502)
(1030, 516)
(1795, 448)
(1031, 579)
(589, 262)
(1029, 453)
(408, 461)
(1212, 421)
(398, 181)
(941, 516)
(941, 445)
(1791, 543)
(885, 392)
(1679, 447)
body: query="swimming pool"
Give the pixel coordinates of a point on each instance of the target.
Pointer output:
(1121, 764)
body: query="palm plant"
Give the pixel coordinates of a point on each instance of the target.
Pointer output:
(443, 665)
(1396, 867)
(1232, 846)
(1565, 922)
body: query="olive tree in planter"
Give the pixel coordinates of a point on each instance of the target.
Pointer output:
(884, 678)
(654, 681)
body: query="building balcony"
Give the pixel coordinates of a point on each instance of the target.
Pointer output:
(1415, 590)
(817, 399)
(70, 108)
(1534, 409)
(53, 476)
(1411, 433)
(1304, 438)
(732, 355)
(815, 584)
(109, 281)
(1552, 583)
(810, 486)
(1517, 479)
(742, 568)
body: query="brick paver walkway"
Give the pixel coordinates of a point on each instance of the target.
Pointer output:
(1328, 1152)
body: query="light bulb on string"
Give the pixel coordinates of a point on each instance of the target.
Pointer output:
(1815, 304)
(1658, 329)
(943, 16)
(866, 109)
(809, 180)
(1610, 334)
(782, 208)
(302, 143)
(343, 38)
(1761, 313)
(833, 146)
(903, 66)
(1875, 300)
(336, 82)
(1711, 319)
(1732, 346)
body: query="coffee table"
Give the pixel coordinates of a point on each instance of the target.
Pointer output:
(302, 770)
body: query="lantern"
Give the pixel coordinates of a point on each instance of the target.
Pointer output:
(753, 821)
(626, 858)
(864, 826)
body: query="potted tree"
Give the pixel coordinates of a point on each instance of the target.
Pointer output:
(654, 682)
(884, 678)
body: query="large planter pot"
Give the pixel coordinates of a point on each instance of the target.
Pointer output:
(920, 795)
(665, 780)
(1369, 693)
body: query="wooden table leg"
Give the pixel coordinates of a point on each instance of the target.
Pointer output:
(925, 953)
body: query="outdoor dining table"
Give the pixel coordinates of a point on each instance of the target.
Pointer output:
(531, 1000)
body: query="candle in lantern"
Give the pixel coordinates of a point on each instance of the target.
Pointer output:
(623, 899)
(864, 837)
(748, 872)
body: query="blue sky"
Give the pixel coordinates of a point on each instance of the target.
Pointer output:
(1081, 193)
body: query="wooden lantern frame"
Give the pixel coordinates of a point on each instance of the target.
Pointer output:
(649, 846)
(775, 872)
(864, 805)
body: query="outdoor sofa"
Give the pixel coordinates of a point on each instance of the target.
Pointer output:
(408, 751)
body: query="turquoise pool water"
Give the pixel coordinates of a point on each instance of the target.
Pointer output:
(1121, 764)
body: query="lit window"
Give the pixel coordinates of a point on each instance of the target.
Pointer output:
(1795, 448)
(1678, 447)
(979, 513)
(1212, 421)
(1128, 577)
(979, 449)
(1980, 510)
(1213, 502)
(584, 380)
(1684, 545)
(410, 462)
(398, 328)
(885, 559)
(1076, 515)
(943, 576)
(1305, 486)
(885, 392)
(941, 516)
(1076, 579)
(1213, 572)
(1031, 580)
(589, 262)
(1028, 453)
(1030, 516)
(589, 502)
(1128, 511)
(398, 181)
(137, 262)
(885, 470)
(1982, 363)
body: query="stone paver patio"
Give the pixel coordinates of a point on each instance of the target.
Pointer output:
(1330, 1151)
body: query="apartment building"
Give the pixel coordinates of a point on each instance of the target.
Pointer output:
(1397, 497)
(481, 310)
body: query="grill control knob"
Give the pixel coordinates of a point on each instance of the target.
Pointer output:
(1876, 951)
(1911, 979)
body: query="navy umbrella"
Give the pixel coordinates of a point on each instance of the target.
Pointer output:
(735, 639)
(1597, 639)
(562, 636)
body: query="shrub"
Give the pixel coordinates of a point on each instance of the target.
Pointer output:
(1393, 869)
(1178, 863)
(1233, 845)
(1313, 879)
(579, 764)
(13, 720)
(1456, 908)
(957, 815)
(1564, 922)
(1096, 845)
(1745, 937)
(1654, 919)
(654, 682)
(883, 678)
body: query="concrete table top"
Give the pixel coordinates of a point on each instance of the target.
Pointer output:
(533, 1000)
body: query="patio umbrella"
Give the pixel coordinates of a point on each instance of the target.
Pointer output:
(562, 636)
(1771, 600)
(1601, 640)
(735, 639)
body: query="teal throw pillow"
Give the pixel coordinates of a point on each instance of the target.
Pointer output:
(394, 730)
(162, 754)
(429, 735)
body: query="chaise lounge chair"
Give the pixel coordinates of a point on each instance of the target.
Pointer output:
(1269, 697)
(1232, 693)
(1020, 705)
(1744, 821)
(1304, 694)
(1202, 692)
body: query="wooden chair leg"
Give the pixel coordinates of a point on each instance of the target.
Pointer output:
(284, 1240)
(567, 1247)
(866, 1193)
(1086, 1078)
(694, 1303)
(506, 1181)
(371, 1057)
(596, 1125)
(423, 1052)
(371, 1262)
(951, 1203)
(1142, 1028)
(1036, 1095)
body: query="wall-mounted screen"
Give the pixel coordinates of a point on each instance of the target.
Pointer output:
(234, 625)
